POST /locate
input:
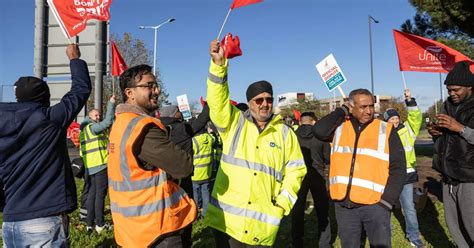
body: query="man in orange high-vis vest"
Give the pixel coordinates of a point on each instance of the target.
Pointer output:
(367, 169)
(148, 208)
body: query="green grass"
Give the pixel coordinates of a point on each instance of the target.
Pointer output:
(431, 220)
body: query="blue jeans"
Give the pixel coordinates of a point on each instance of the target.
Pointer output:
(409, 212)
(50, 231)
(201, 192)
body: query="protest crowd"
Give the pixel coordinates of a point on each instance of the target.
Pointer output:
(238, 167)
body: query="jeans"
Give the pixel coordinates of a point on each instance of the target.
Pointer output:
(409, 212)
(201, 191)
(50, 231)
(223, 240)
(374, 219)
(96, 198)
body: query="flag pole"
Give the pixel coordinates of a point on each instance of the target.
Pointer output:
(222, 27)
(113, 85)
(404, 82)
(342, 92)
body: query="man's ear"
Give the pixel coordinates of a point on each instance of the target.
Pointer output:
(128, 92)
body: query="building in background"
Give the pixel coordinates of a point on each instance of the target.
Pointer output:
(291, 98)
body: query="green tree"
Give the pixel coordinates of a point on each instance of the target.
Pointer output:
(134, 52)
(446, 21)
(303, 106)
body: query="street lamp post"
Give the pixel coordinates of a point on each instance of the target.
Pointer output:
(156, 32)
(370, 49)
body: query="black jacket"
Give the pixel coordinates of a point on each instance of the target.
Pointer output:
(316, 153)
(454, 156)
(324, 130)
(181, 132)
(35, 168)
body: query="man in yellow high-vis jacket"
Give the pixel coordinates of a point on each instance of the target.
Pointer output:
(408, 131)
(261, 166)
(93, 150)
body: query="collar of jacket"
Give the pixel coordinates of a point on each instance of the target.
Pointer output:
(130, 108)
(272, 120)
(85, 122)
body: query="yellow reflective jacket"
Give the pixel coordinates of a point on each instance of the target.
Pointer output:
(202, 159)
(93, 149)
(258, 170)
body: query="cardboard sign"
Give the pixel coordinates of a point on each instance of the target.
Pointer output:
(330, 72)
(183, 106)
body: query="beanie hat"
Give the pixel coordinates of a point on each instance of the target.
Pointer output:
(460, 75)
(32, 89)
(258, 88)
(168, 111)
(389, 113)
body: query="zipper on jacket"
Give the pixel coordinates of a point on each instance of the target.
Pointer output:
(352, 167)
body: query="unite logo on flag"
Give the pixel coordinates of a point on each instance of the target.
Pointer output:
(433, 55)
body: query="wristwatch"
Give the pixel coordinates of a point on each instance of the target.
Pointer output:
(463, 130)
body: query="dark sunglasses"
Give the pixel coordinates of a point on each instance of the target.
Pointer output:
(260, 100)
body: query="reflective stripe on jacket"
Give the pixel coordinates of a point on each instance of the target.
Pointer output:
(408, 135)
(202, 159)
(360, 164)
(93, 148)
(144, 203)
(258, 170)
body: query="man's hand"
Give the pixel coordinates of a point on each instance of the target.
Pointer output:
(433, 131)
(217, 53)
(73, 52)
(112, 99)
(407, 94)
(449, 122)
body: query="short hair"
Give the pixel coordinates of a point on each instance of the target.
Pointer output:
(131, 76)
(359, 92)
(92, 110)
(309, 114)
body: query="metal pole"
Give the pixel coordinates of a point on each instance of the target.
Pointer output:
(40, 12)
(371, 63)
(154, 52)
(100, 62)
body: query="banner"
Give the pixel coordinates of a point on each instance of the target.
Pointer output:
(73, 132)
(416, 53)
(330, 72)
(118, 64)
(72, 15)
(183, 106)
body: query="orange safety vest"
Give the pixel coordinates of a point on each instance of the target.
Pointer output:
(364, 170)
(144, 203)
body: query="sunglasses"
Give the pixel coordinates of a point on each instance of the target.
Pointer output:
(260, 100)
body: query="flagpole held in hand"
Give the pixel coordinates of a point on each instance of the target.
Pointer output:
(223, 24)
(113, 85)
(404, 82)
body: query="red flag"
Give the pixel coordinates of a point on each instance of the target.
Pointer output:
(118, 64)
(241, 3)
(73, 132)
(72, 15)
(297, 114)
(202, 101)
(231, 46)
(416, 53)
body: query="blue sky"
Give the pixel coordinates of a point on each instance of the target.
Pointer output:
(282, 41)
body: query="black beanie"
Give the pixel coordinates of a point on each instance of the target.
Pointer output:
(32, 89)
(389, 114)
(258, 88)
(460, 75)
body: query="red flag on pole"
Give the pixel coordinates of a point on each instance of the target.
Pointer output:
(72, 15)
(118, 64)
(73, 132)
(297, 114)
(416, 53)
(241, 3)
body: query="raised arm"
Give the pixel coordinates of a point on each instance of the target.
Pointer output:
(72, 102)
